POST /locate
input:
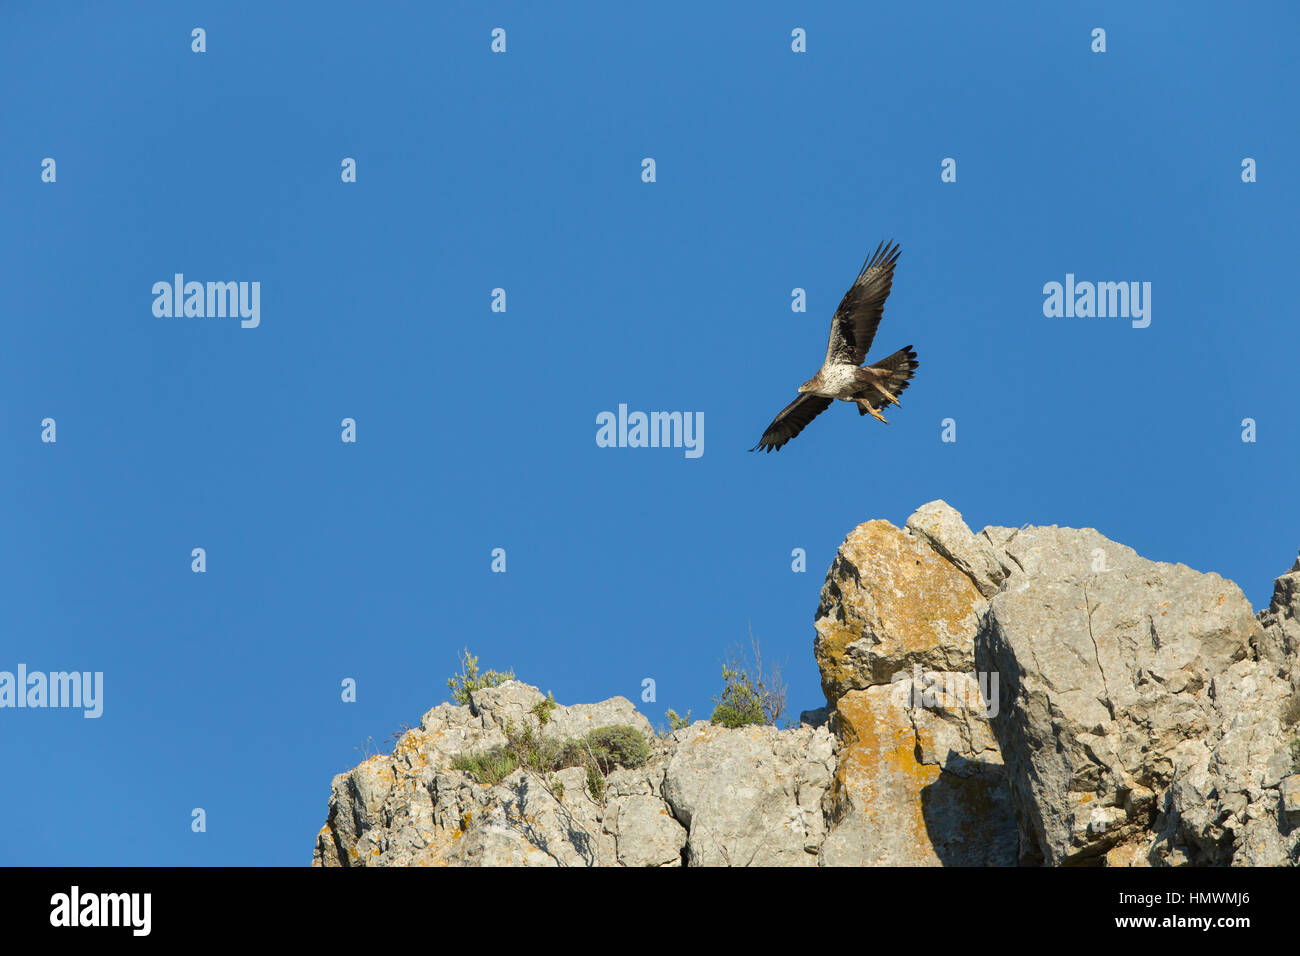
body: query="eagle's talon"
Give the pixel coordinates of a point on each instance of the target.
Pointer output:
(865, 405)
(889, 396)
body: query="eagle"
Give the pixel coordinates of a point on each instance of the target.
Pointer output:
(842, 374)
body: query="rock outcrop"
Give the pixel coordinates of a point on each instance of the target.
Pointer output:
(919, 779)
(1141, 724)
(707, 796)
(1039, 695)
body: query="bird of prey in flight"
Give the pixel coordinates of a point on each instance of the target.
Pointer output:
(842, 375)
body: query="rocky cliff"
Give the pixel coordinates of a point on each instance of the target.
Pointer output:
(1038, 695)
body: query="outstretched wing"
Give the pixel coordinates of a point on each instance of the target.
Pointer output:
(791, 420)
(856, 320)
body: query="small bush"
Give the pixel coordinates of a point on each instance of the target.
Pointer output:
(605, 748)
(1291, 711)
(617, 746)
(543, 709)
(488, 768)
(740, 703)
(748, 696)
(600, 751)
(469, 679)
(531, 750)
(595, 784)
(676, 722)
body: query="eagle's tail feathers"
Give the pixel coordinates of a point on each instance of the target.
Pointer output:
(898, 370)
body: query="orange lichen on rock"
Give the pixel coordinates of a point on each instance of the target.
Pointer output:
(890, 602)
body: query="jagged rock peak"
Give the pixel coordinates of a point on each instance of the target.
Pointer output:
(1034, 695)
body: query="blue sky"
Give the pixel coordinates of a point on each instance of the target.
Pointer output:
(476, 430)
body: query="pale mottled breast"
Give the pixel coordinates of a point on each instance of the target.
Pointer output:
(839, 381)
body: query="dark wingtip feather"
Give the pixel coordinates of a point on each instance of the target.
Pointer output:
(886, 254)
